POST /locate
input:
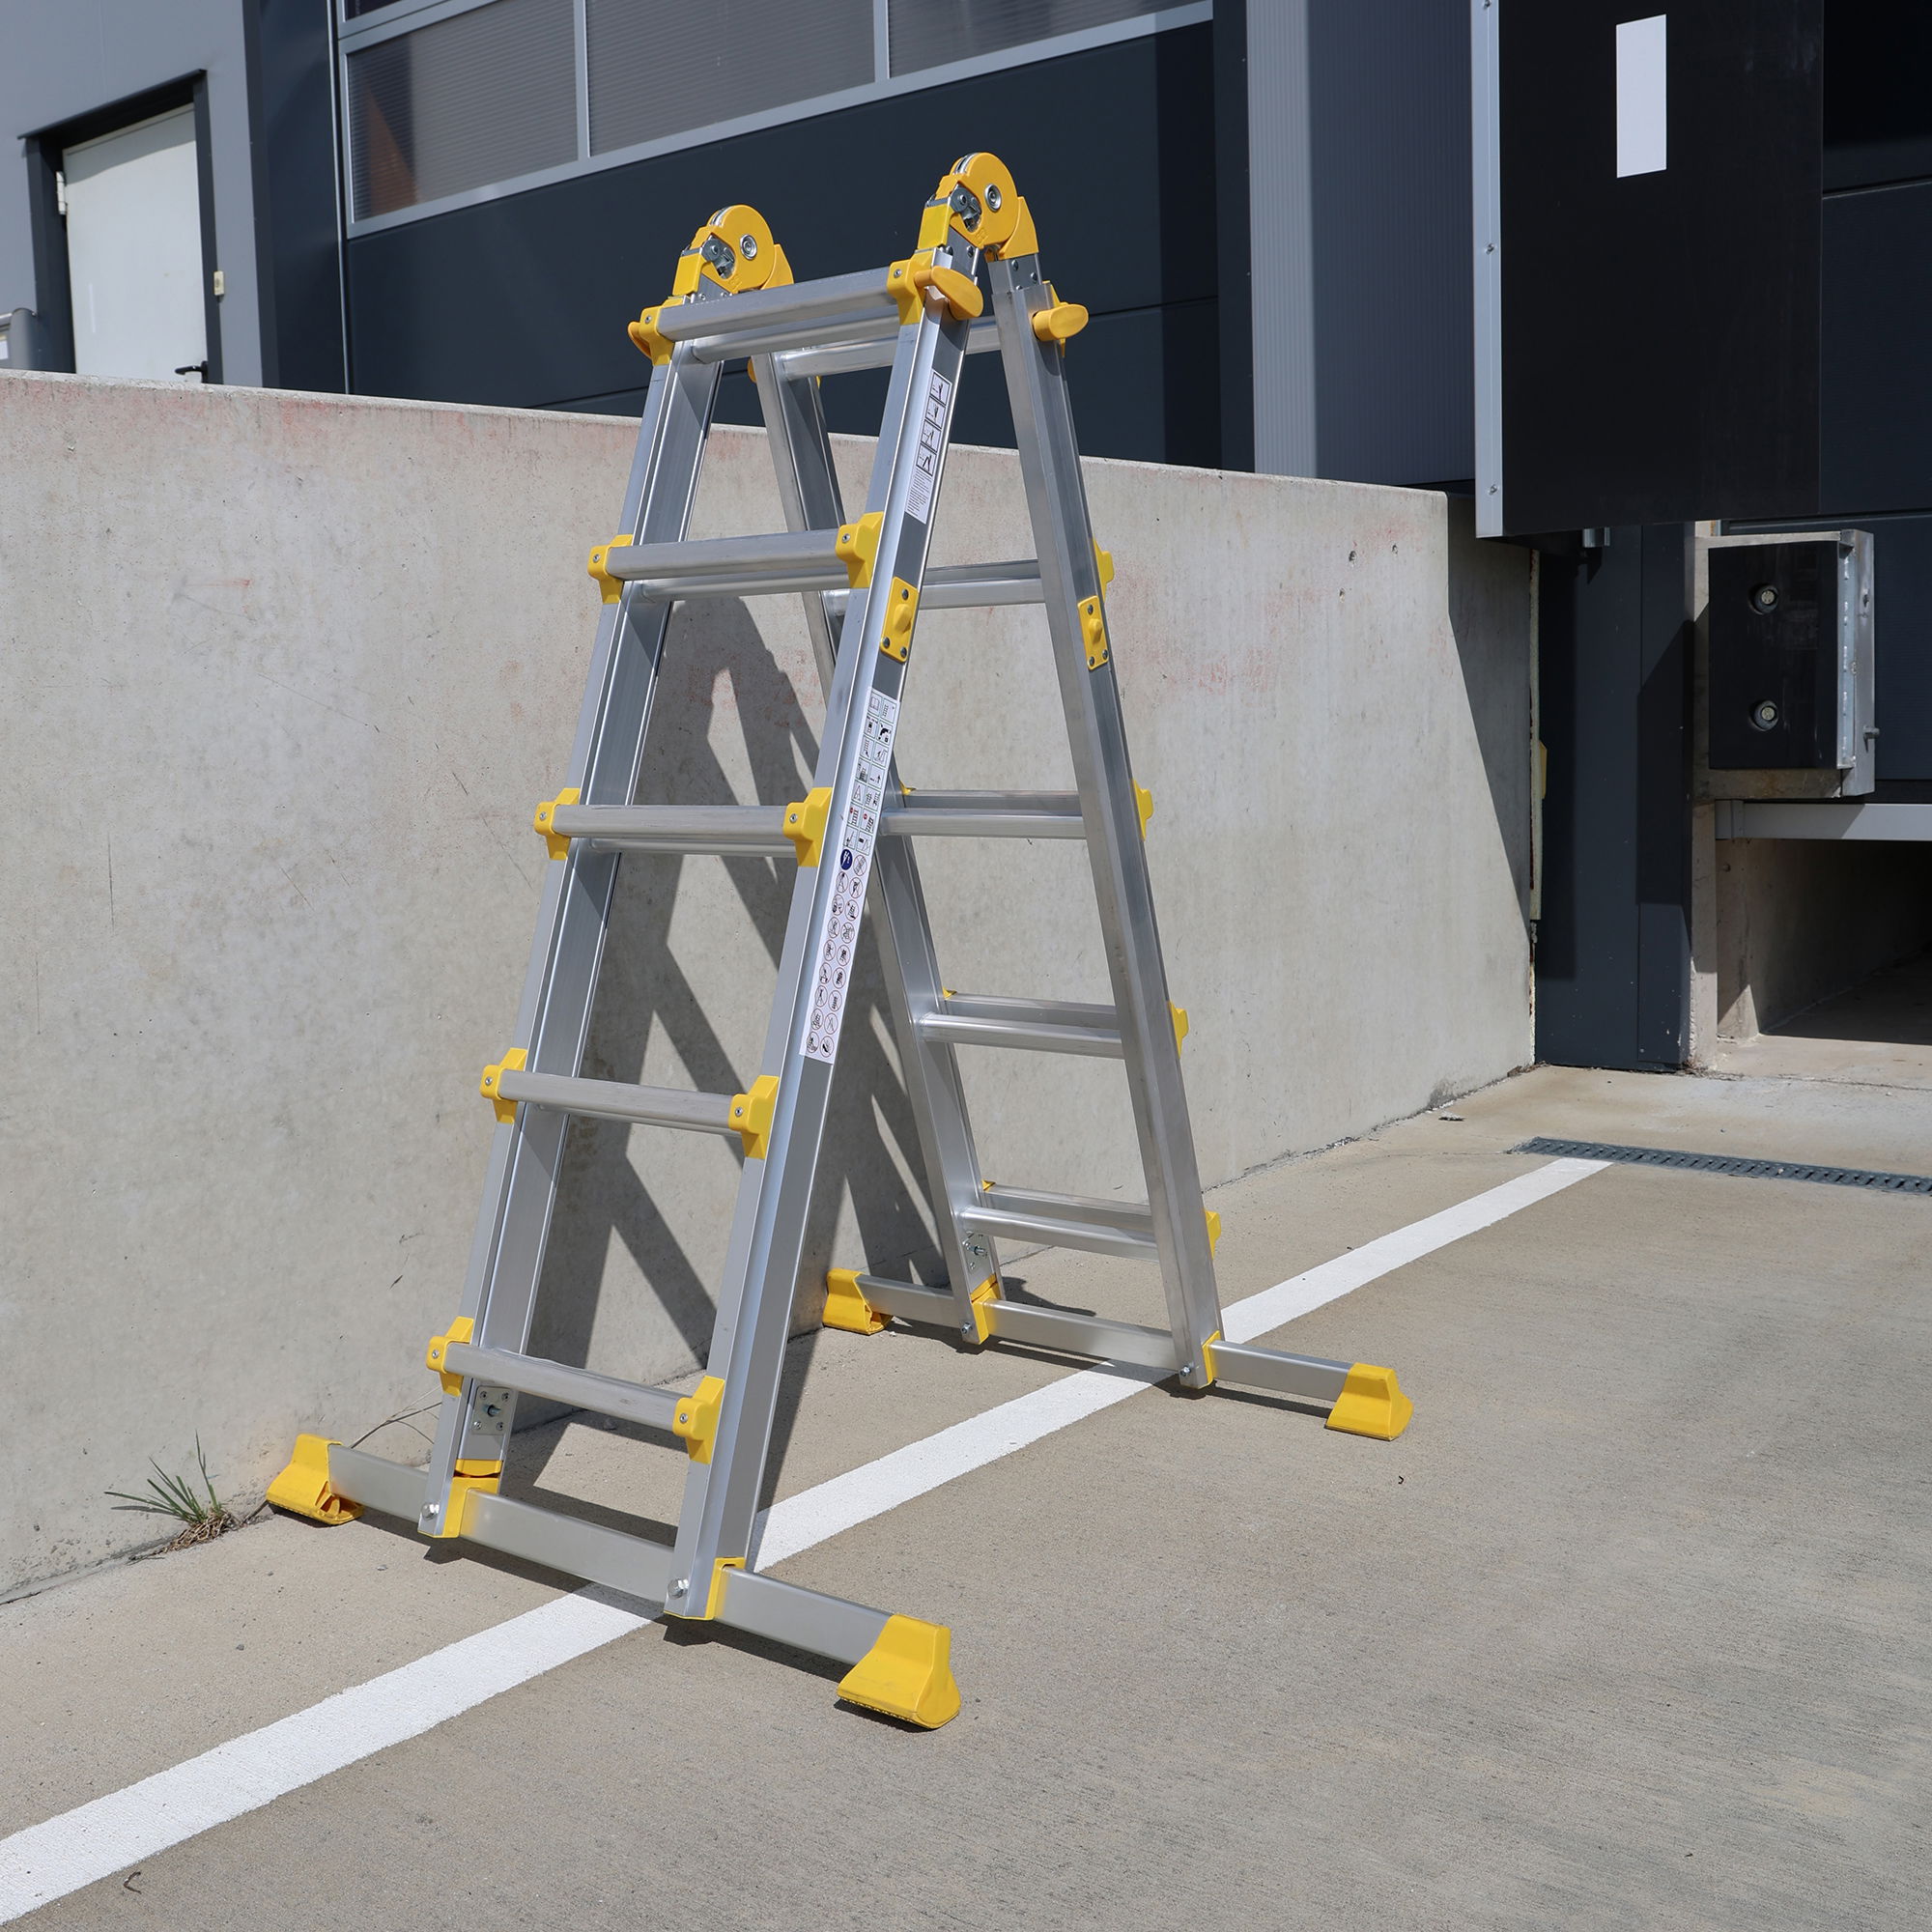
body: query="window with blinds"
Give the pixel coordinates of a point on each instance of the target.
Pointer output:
(929, 33)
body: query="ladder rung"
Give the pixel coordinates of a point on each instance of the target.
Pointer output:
(868, 346)
(614, 1101)
(532, 1374)
(732, 566)
(834, 304)
(984, 814)
(1041, 1025)
(734, 829)
(967, 586)
(1023, 1321)
(1065, 1221)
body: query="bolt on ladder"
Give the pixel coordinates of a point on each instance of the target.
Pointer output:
(865, 580)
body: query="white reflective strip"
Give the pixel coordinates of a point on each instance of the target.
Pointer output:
(1642, 96)
(97, 1839)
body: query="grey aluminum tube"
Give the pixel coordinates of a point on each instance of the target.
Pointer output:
(1047, 1232)
(614, 1101)
(868, 346)
(1028, 1035)
(984, 814)
(780, 553)
(972, 587)
(532, 1374)
(1306, 1376)
(746, 830)
(826, 1626)
(861, 294)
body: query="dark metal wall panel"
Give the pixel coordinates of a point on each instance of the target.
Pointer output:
(1612, 947)
(1390, 141)
(1659, 332)
(523, 301)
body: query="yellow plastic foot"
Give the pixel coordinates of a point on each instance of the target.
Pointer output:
(846, 1306)
(907, 1673)
(303, 1488)
(1372, 1404)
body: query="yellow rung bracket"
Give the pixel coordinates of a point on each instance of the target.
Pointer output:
(1372, 1404)
(713, 1600)
(1144, 805)
(462, 1330)
(695, 1418)
(1213, 1229)
(1094, 632)
(805, 824)
(896, 628)
(1208, 1358)
(987, 1293)
(546, 821)
(610, 587)
(1103, 562)
(462, 1487)
(489, 1085)
(1180, 1024)
(858, 547)
(303, 1489)
(908, 1674)
(752, 1114)
(733, 250)
(846, 1306)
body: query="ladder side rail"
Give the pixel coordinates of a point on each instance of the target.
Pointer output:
(909, 961)
(1069, 574)
(554, 1014)
(721, 1497)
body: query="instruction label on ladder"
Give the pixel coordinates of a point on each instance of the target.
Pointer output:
(931, 442)
(832, 976)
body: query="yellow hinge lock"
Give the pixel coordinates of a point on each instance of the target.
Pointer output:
(752, 1114)
(696, 1417)
(1059, 322)
(805, 824)
(489, 1086)
(919, 279)
(610, 587)
(546, 821)
(901, 607)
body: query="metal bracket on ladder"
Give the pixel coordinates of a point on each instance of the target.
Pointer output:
(863, 580)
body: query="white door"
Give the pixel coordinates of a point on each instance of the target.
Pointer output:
(133, 250)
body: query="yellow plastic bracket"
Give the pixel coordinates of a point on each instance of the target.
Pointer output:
(512, 1062)
(987, 1293)
(462, 1330)
(734, 250)
(1180, 1024)
(846, 1306)
(918, 279)
(1093, 630)
(805, 824)
(303, 1489)
(1061, 322)
(752, 1114)
(610, 587)
(546, 821)
(468, 1480)
(713, 1600)
(1208, 1356)
(695, 1419)
(896, 630)
(1103, 562)
(858, 547)
(1213, 1229)
(908, 1674)
(1372, 1404)
(1144, 805)
(644, 334)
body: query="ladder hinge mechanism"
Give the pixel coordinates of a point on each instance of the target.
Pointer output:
(546, 821)
(735, 250)
(805, 824)
(695, 1418)
(513, 1062)
(752, 1114)
(610, 587)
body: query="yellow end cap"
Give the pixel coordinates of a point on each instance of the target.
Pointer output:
(1372, 1404)
(1180, 1024)
(805, 824)
(980, 1304)
(1058, 323)
(644, 334)
(846, 1306)
(462, 1487)
(1144, 805)
(1103, 562)
(695, 1418)
(901, 607)
(1094, 632)
(858, 547)
(1208, 1358)
(303, 1489)
(752, 1114)
(462, 1330)
(714, 1599)
(609, 587)
(489, 1085)
(1213, 1229)
(908, 1674)
(546, 820)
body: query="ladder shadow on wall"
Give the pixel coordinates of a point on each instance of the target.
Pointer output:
(673, 1009)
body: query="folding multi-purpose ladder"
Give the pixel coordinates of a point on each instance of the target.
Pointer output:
(865, 580)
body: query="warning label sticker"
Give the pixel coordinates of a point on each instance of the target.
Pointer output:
(852, 855)
(931, 439)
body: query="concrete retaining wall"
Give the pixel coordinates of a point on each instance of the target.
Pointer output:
(282, 678)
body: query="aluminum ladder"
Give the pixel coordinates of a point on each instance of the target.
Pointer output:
(852, 838)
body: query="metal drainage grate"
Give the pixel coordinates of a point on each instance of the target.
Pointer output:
(1725, 1163)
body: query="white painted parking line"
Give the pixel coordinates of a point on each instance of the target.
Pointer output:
(94, 1840)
